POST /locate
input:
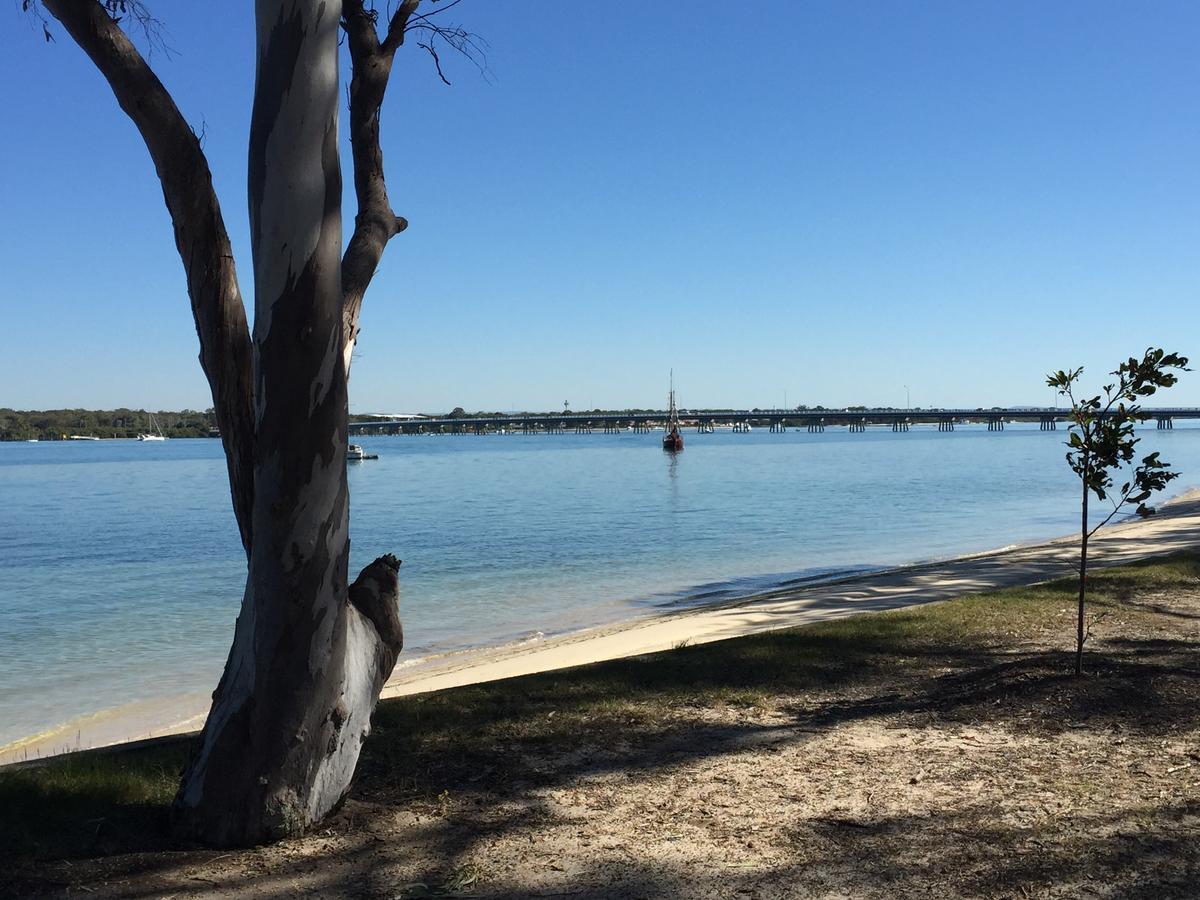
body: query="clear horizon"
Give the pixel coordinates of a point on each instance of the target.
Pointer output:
(831, 202)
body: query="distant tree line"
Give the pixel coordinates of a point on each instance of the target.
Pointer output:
(61, 424)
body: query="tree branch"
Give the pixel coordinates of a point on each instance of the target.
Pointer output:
(399, 25)
(468, 44)
(200, 234)
(1117, 504)
(375, 223)
(371, 65)
(437, 63)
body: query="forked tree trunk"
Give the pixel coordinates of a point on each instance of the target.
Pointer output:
(310, 654)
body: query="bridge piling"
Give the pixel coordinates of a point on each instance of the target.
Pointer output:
(740, 421)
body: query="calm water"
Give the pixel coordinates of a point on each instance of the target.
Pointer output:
(120, 570)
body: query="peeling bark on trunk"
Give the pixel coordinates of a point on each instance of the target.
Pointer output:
(310, 653)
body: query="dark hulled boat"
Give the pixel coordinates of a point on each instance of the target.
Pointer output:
(672, 439)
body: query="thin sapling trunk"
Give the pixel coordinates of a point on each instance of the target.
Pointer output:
(1083, 548)
(1102, 442)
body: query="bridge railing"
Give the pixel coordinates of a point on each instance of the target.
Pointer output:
(881, 415)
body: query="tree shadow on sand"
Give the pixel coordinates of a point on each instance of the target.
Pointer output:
(1147, 852)
(496, 748)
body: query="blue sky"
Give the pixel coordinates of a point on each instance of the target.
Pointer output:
(827, 199)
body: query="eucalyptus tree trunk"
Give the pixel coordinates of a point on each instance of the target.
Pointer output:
(310, 653)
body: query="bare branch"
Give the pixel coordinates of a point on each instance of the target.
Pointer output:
(470, 45)
(151, 28)
(1096, 620)
(436, 62)
(376, 223)
(1117, 504)
(437, 10)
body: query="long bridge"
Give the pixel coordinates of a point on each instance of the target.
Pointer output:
(744, 420)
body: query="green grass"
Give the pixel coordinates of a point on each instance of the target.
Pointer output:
(423, 746)
(754, 669)
(87, 802)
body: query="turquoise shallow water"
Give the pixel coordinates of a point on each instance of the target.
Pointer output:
(120, 570)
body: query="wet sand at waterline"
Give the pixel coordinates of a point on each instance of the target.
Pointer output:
(1176, 527)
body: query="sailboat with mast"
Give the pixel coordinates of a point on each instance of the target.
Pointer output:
(672, 440)
(154, 434)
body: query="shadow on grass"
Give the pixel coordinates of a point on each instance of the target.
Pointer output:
(947, 660)
(89, 804)
(638, 715)
(498, 743)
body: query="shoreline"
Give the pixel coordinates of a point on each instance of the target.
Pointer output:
(1176, 526)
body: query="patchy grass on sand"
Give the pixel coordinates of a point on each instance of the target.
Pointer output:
(942, 750)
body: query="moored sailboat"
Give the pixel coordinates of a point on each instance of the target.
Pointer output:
(154, 434)
(672, 440)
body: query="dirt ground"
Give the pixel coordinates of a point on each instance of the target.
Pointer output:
(972, 773)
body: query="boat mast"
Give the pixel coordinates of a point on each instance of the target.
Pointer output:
(672, 412)
(672, 439)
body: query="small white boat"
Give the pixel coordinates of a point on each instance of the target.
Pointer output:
(355, 453)
(84, 437)
(155, 434)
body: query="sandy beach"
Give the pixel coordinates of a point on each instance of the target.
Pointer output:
(1177, 526)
